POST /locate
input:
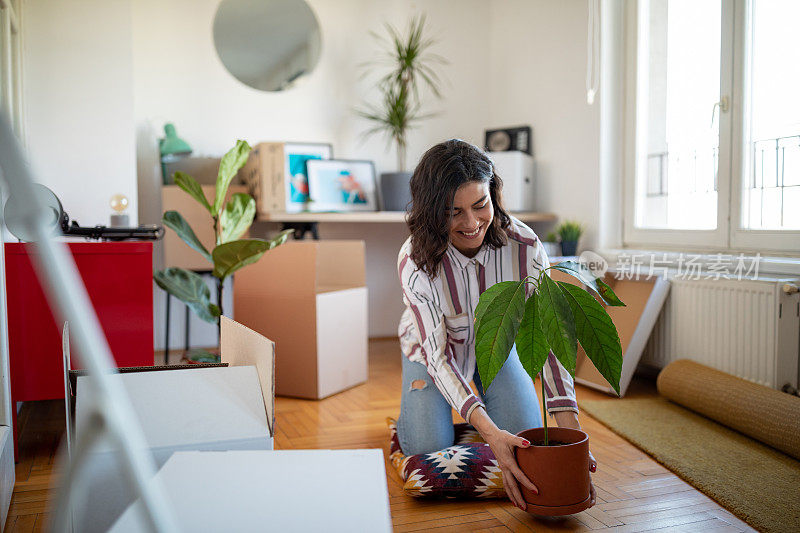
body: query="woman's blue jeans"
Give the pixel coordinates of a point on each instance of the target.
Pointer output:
(426, 422)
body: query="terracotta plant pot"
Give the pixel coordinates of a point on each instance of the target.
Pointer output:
(561, 473)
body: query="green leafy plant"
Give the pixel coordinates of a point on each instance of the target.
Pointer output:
(551, 237)
(411, 65)
(555, 317)
(231, 220)
(569, 231)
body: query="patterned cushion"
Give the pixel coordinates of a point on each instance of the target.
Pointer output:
(467, 469)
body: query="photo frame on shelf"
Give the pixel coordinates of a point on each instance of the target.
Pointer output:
(342, 185)
(296, 158)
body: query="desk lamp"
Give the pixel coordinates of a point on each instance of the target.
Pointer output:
(172, 148)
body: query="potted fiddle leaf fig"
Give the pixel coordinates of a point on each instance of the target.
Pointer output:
(555, 317)
(231, 220)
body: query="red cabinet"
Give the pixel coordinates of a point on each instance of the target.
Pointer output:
(118, 278)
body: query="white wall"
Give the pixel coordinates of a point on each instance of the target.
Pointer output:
(538, 70)
(78, 103)
(511, 62)
(190, 87)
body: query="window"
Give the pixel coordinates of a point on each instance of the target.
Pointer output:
(716, 148)
(10, 52)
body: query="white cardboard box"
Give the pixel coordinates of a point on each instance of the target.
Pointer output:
(288, 490)
(195, 409)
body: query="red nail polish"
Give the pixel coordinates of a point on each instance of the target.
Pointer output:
(526, 443)
(593, 468)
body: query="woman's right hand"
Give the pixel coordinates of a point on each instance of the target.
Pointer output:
(502, 444)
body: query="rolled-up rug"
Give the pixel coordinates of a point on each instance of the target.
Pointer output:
(765, 414)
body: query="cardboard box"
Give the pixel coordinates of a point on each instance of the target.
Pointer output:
(644, 297)
(287, 490)
(310, 298)
(205, 409)
(264, 176)
(176, 252)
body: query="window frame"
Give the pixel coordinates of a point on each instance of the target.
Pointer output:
(734, 62)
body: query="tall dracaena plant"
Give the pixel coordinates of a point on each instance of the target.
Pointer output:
(411, 64)
(231, 220)
(555, 318)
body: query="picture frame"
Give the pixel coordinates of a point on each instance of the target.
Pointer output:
(296, 157)
(344, 185)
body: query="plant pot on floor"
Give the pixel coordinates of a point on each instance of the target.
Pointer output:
(561, 473)
(569, 248)
(395, 190)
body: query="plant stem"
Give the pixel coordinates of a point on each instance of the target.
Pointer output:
(401, 154)
(544, 409)
(220, 281)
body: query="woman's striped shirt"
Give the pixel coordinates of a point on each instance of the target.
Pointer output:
(437, 327)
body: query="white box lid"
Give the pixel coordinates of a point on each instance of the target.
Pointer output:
(288, 490)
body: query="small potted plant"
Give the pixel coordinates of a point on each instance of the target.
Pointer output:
(555, 317)
(231, 220)
(569, 231)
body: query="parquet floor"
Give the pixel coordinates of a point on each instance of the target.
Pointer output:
(634, 492)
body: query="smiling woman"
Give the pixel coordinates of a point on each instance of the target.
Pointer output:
(463, 242)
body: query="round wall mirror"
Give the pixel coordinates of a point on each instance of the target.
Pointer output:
(267, 44)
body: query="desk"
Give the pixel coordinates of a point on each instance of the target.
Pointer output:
(306, 221)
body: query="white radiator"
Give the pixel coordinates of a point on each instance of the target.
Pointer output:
(748, 328)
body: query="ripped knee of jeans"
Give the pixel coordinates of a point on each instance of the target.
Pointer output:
(418, 384)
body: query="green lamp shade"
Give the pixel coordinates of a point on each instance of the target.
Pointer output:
(172, 145)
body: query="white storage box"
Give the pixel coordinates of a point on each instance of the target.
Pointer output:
(206, 409)
(288, 490)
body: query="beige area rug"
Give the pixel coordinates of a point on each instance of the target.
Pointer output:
(757, 483)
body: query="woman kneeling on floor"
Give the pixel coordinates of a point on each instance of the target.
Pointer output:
(462, 242)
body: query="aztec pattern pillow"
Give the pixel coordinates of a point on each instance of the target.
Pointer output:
(467, 469)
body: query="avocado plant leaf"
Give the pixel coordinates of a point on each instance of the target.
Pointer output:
(596, 333)
(190, 185)
(176, 222)
(558, 323)
(228, 167)
(608, 295)
(497, 326)
(237, 216)
(579, 271)
(190, 288)
(231, 256)
(532, 347)
(487, 297)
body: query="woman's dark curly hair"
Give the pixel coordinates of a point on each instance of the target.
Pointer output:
(441, 171)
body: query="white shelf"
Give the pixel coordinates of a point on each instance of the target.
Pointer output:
(378, 216)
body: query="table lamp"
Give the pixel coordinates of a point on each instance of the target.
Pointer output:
(172, 148)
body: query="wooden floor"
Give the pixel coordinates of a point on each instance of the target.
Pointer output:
(634, 492)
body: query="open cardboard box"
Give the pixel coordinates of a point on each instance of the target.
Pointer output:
(644, 297)
(310, 298)
(188, 409)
